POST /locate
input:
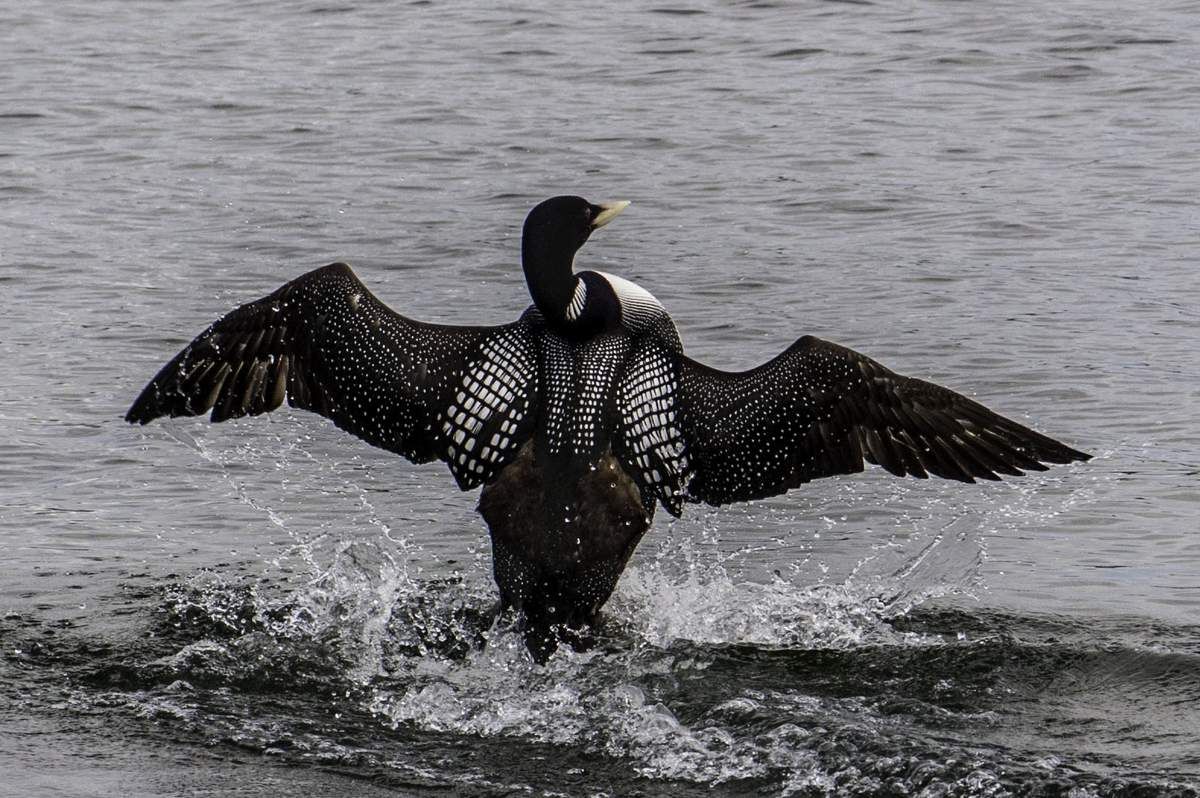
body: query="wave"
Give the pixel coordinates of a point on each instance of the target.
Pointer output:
(701, 680)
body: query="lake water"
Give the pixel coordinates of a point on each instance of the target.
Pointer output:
(1001, 198)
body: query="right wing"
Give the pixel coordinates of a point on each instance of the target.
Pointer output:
(466, 395)
(819, 409)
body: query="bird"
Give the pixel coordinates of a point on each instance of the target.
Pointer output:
(582, 416)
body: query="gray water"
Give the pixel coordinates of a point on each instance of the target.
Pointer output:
(998, 197)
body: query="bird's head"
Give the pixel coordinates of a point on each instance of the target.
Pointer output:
(556, 228)
(554, 232)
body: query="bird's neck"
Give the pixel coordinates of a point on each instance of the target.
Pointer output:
(550, 279)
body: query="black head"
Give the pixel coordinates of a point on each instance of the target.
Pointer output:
(559, 226)
(554, 232)
(556, 228)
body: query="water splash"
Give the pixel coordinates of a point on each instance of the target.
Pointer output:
(670, 619)
(716, 666)
(689, 589)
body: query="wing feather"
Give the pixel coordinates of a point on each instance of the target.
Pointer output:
(820, 409)
(324, 343)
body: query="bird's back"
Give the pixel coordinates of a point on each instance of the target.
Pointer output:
(613, 393)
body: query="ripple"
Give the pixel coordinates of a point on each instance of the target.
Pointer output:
(796, 53)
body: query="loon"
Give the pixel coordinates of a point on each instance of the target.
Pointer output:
(581, 416)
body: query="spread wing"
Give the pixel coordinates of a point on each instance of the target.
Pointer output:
(466, 395)
(819, 409)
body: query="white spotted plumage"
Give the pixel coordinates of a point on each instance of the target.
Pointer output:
(493, 400)
(650, 428)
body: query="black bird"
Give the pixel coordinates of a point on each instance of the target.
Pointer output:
(582, 415)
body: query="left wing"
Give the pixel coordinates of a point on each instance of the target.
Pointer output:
(466, 395)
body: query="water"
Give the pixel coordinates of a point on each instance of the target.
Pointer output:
(1000, 198)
